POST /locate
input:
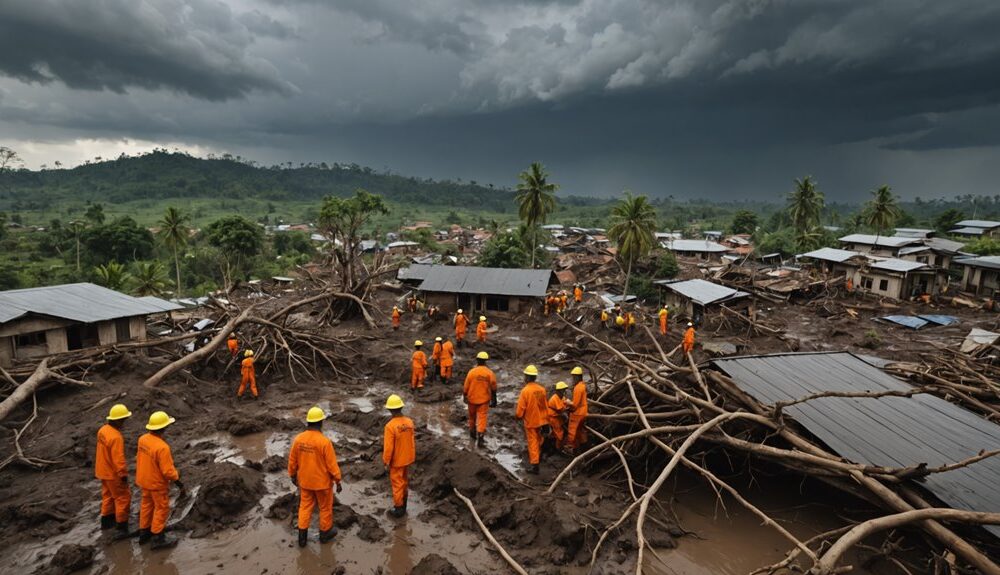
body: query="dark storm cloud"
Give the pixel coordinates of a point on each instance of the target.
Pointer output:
(198, 47)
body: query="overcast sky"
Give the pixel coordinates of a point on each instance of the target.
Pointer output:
(691, 98)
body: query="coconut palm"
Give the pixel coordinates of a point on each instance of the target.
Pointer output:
(112, 275)
(805, 204)
(148, 278)
(535, 199)
(174, 234)
(77, 227)
(633, 228)
(882, 211)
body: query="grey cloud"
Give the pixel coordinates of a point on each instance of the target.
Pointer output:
(261, 24)
(198, 47)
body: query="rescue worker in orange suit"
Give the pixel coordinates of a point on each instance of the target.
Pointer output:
(563, 301)
(399, 451)
(688, 342)
(481, 329)
(233, 345)
(436, 356)
(605, 317)
(447, 360)
(576, 434)
(110, 467)
(248, 375)
(557, 414)
(548, 302)
(461, 324)
(396, 315)
(154, 471)
(664, 315)
(629, 322)
(412, 303)
(418, 366)
(312, 466)
(578, 294)
(532, 410)
(850, 285)
(480, 393)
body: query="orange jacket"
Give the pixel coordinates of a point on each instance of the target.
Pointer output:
(154, 464)
(109, 462)
(419, 361)
(233, 345)
(436, 352)
(689, 337)
(398, 445)
(396, 314)
(447, 354)
(313, 461)
(246, 367)
(461, 323)
(480, 385)
(580, 399)
(557, 406)
(578, 294)
(481, 329)
(532, 406)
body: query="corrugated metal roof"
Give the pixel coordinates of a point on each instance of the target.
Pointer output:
(830, 255)
(897, 265)
(887, 431)
(913, 232)
(987, 224)
(693, 246)
(939, 319)
(488, 281)
(416, 272)
(912, 322)
(914, 250)
(701, 292)
(967, 231)
(884, 241)
(990, 262)
(162, 304)
(83, 302)
(943, 245)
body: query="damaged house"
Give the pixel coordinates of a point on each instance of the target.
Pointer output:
(700, 249)
(42, 321)
(882, 276)
(697, 298)
(480, 289)
(980, 275)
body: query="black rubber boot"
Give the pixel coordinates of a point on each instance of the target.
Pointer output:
(303, 537)
(481, 440)
(162, 541)
(327, 535)
(121, 531)
(144, 536)
(534, 469)
(397, 511)
(107, 521)
(472, 433)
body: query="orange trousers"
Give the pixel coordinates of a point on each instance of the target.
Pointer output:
(154, 510)
(250, 379)
(399, 478)
(446, 371)
(663, 326)
(395, 323)
(688, 347)
(557, 431)
(576, 435)
(115, 498)
(477, 416)
(310, 498)
(534, 437)
(459, 335)
(481, 338)
(417, 378)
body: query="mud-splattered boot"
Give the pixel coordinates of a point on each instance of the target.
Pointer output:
(162, 541)
(107, 521)
(534, 469)
(327, 535)
(481, 439)
(144, 536)
(397, 512)
(303, 537)
(472, 433)
(121, 531)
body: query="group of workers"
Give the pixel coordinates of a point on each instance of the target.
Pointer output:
(312, 467)
(558, 301)
(248, 373)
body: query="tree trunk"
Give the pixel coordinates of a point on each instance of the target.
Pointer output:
(26, 389)
(78, 252)
(198, 354)
(177, 268)
(534, 245)
(628, 276)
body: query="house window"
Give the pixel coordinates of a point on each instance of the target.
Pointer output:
(31, 339)
(866, 282)
(883, 285)
(922, 259)
(497, 303)
(123, 329)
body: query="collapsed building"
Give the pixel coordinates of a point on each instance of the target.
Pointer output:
(882, 276)
(478, 289)
(980, 275)
(697, 298)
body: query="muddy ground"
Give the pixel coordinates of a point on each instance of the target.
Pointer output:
(239, 518)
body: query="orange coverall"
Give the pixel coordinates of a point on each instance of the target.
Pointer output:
(436, 354)
(576, 435)
(481, 332)
(249, 377)
(532, 409)
(396, 314)
(398, 452)
(154, 470)
(111, 469)
(688, 342)
(461, 324)
(578, 294)
(563, 300)
(447, 359)
(233, 345)
(419, 369)
(480, 385)
(663, 322)
(557, 406)
(312, 462)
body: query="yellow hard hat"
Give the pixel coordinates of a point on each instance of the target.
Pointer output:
(418, 343)
(576, 371)
(394, 402)
(482, 355)
(482, 318)
(437, 339)
(118, 411)
(460, 310)
(619, 320)
(159, 420)
(315, 414)
(531, 370)
(248, 353)
(561, 385)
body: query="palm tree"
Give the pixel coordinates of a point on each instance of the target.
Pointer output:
(174, 233)
(633, 228)
(112, 275)
(148, 278)
(536, 200)
(805, 204)
(882, 211)
(77, 227)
